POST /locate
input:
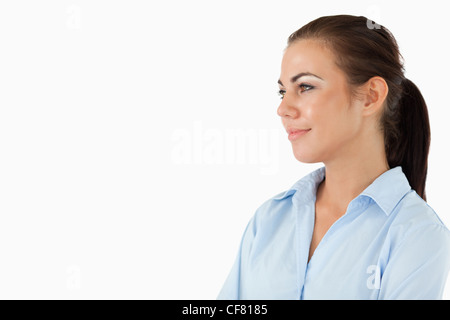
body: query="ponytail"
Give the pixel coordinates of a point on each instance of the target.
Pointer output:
(408, 147)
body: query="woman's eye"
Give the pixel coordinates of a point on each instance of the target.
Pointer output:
(304, 87)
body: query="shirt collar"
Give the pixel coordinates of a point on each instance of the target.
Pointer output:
(306, 185)
(387, 190)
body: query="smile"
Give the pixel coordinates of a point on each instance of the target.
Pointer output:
(293, 135)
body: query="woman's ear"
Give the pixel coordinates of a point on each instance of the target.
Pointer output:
(375, 92)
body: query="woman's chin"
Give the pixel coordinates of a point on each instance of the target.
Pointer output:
(305, 157)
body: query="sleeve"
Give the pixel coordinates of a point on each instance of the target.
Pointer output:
(418, 266)
(231, 287)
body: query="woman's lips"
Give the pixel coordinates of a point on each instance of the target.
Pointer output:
(294, 134)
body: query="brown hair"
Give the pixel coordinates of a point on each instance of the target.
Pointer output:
(364, 50)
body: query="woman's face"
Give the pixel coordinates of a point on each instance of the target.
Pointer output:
(318, 101)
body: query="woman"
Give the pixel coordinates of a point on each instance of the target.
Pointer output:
(359, 227)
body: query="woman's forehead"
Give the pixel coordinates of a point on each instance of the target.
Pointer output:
(308, 56)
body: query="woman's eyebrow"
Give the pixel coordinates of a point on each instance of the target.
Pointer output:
(298, 76)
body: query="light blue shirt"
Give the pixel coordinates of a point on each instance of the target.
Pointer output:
(389, 244)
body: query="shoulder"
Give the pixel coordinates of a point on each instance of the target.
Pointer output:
(415, 221)
(413, 212)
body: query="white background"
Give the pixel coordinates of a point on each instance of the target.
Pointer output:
(137, 138)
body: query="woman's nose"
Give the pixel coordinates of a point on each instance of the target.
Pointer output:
(286, 110)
